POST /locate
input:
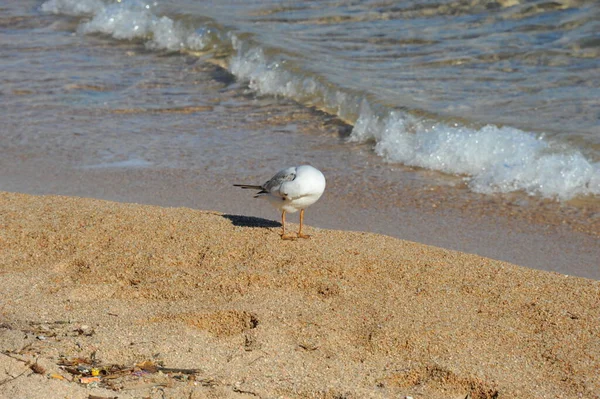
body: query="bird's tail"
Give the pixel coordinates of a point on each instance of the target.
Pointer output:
(248, 186)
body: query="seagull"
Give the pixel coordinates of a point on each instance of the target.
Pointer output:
(291, 190)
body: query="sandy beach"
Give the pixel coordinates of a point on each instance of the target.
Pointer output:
(103, 299)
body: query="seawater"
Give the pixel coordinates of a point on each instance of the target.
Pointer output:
(503, 94)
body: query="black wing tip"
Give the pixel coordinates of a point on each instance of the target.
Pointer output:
(247, 186)
(251, 187)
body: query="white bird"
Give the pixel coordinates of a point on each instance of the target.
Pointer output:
(291, 190)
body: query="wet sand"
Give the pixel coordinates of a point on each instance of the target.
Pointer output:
(343, 314)
(542, 234)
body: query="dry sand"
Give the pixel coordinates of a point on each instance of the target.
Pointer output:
(342, 315)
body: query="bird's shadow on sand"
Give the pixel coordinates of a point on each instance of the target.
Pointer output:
(249, 221)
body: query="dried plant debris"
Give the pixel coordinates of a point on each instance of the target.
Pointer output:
(29, 368)
(94, 373)
(36, 368)
(43, 331)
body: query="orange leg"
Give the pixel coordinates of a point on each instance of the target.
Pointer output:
(300, 235)
(283, 235)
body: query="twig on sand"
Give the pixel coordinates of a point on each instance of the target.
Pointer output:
(239, 390)
(7, 354)
(7, 380)
(176, 370)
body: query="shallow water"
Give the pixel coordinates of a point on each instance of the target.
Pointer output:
(502, 93)
(90, 116)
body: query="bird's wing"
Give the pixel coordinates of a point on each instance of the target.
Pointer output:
(281, 177)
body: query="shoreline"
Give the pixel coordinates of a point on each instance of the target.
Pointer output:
(131, 128)
(437, 216)
(225, 296)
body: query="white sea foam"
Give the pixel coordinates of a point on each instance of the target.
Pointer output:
(73, 7)
(132, 19)
(122, 21)
(493, 159)
(274, 78)
(264, 77)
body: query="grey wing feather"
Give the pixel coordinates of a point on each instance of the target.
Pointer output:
(282, 176)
